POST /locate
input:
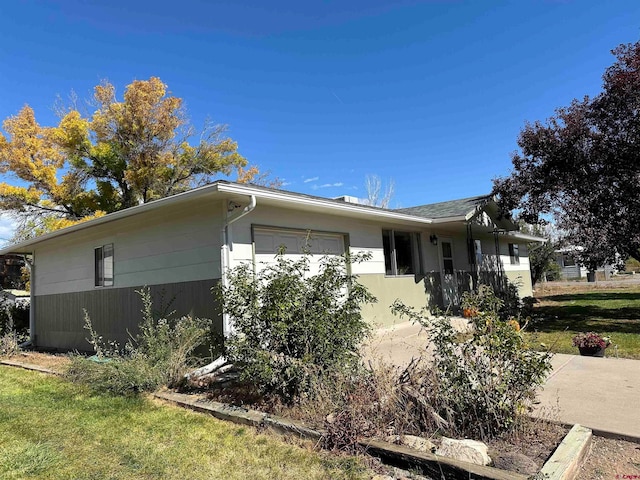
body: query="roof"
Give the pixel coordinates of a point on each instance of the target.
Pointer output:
(453, 208)
(441, 212)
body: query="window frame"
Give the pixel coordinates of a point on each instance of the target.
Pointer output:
(103, 261)
(514, 253)
(391, 256)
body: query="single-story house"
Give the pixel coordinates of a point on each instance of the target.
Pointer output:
(572, 269)
(181, 246)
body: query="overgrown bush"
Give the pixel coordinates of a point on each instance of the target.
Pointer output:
(479, 386)
(14, 326)
(160, 354)
(291, 327)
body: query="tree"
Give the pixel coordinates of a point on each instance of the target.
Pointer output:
(583, 167)
(541, 255)
(377, 194)
(126, 153)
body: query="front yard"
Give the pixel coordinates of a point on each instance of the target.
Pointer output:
(52, 429)
(569, 309)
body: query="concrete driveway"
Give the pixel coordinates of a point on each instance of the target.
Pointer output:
(599, 393)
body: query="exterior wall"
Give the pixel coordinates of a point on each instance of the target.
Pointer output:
(176, 244)
(415, 291)
(360, 236)
(175, 251)
(115, 312)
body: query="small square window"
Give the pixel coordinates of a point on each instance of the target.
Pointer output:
(514, 254)
(103, 261)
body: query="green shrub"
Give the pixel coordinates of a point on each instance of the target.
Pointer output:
(291, 327)
(160, 354)
(481, 385)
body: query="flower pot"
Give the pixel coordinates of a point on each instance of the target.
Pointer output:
(591, 351)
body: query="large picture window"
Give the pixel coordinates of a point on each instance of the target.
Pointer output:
(401, 254)
(104, 265)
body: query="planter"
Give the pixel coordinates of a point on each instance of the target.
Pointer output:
(591, 351)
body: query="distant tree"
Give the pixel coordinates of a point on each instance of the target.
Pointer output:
(542, 256)
(128, 152)
(379, 195)
(583, 167)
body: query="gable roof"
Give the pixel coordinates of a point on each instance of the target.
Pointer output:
(462, 207)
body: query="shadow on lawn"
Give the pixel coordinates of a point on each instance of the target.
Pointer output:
(578, 317)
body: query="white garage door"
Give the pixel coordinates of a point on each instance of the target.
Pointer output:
(268, 242)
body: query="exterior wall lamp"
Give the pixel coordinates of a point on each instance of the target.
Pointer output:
(433, 238)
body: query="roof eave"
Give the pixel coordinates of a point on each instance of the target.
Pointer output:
(223, 187)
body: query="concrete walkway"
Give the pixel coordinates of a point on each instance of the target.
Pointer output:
(599, 393)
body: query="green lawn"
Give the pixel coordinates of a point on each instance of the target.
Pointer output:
(583, 308)
(51, 429)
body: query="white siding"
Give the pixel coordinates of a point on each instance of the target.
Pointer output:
(362, 236)
(176, 244)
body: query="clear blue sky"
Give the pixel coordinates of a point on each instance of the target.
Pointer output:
(431, 94)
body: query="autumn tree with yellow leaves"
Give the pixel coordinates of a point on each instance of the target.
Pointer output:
(128, 152)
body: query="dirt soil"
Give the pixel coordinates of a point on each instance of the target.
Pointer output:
(54, 362)
(612, 459)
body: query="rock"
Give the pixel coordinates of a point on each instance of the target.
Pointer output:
(331, 418)
(461, 325)
(515, 462)
(466, 450)
(417, 443)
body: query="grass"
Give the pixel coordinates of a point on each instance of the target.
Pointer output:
(565, 311)
(51, 429)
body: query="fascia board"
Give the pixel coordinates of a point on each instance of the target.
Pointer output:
(327, 204)
(179, 198)
(229, 188)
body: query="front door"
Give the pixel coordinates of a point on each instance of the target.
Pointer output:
(449, 281)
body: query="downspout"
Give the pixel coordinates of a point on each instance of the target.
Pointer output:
(32, 304)
(225, 259)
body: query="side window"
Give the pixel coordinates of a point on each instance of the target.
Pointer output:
(401, 252)
(514, 254)
(103, 263)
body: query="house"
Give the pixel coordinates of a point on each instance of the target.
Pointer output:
(181, 247)
(572, 269)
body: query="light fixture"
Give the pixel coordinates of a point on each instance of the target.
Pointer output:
(433, 238)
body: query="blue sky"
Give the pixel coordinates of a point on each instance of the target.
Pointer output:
(431, 94)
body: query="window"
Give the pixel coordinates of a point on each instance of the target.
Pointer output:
(447, 258)
(401, 255)
(104, 265)
(513, 253)
(568, 260)
(478, 251)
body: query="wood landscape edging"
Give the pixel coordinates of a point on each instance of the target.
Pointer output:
(443, 467)
(564, 464)
(28, 366)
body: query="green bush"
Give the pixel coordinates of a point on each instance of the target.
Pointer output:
(481, 385)
(291, 327)
(160, 354)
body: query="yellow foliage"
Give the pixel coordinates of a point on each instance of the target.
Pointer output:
(126, 153)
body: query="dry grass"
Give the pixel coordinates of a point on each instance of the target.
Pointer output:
(51, 429)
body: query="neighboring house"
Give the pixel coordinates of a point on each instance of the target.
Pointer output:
(181, 247)
(571, 269)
